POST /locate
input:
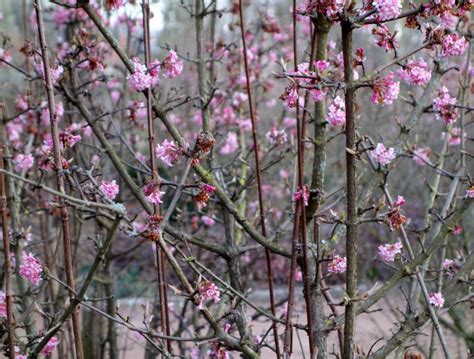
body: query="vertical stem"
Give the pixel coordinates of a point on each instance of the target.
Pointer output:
(351, 236)
(59, 178)
(155, 177)
(268, 256)
(199, 17)
(7, 264)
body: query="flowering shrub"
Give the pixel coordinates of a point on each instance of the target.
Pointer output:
(243, 170)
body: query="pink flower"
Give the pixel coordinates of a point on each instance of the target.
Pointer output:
(168, 152)
(457, 230)
(3, 305)
(415, 72)
(422, 156)
(23, 162)
(388, 252)
(155, 197)
(387, 9)
(31, 269)
(318, 95)
(142, 79)
(337, 265)
(18, 354)
(470, 192)
(299, 276)
(337, 112)
(238, 99)
(276, 137)
(444, 105)
(304, 193)
(453, 45)
(209, 189)
(385, 90)
(5, 56)
(208, 221)
(290, 96)
(436, 299)
(110, 189)
(448, 20)
(173, 65)
(50, 346)
(384, 38)
(399, 202)
(447, 263)
(208, 290)
(454, 138)
(231, 144)
(114, 4)
(383, 155)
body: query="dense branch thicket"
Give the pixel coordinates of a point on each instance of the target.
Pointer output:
(236, 178)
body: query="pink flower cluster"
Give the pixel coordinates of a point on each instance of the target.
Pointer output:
(384, 38)
(388, 252)
(290, 96)
(31, 269)
(422, 155)
(436, 299)
(110, 189)
(416, 72)
(3, 305)
(231, 144)
(23, 162)
(382, 155)
(337, 265)
(142, 78)
(208, 290)
(337, 112)
(152, 192)
(50, 346)
(470, 192)
(173, 65)
(304, 193)
(114, 4)
(453, 45)
(444, 105)
(387, 9)
(385, 90)
(168, 152)
(276, 137)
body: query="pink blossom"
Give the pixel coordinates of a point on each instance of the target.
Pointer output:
(110, 189)
(208, 290)
(337, 265)
(304, 193)
(383, 155)
(50, 346)
(454, 45)
(142, 79)
(436, 299)
(155, 197)
(457, 230)
(470, 192)
(56, 71)
(318, 94)
(23, 162)
(337, 112)
(388, 252)
(3, 305)
(299, 276)
(208, 221)
(399, 202)
(415, 72)
(387, 9)
(231, 144)
(385, 90)
(18, 354)
(448, 20)
(5, 56)
(31, 269)
(384, 38)
(422, 156)
(447, 263)
(238, 99)
(173, 65)
(209, 189)
(290, 96)
(114, 4)
(454, 138)
(276, 137)
(444, 105)
(168, 152)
